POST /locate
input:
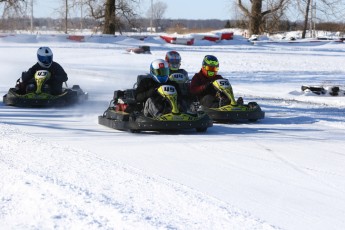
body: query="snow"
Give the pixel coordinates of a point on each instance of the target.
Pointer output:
(59, 169)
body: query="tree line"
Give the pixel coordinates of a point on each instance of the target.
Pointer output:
(111, 16)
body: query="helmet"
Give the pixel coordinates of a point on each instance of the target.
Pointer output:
(174, 60)
(44, 57)
(159, 70)
(210, 66)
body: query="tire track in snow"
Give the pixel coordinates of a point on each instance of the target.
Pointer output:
(70, 187)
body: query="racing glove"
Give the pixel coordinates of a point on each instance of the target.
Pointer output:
(20, 86)
(239, 101)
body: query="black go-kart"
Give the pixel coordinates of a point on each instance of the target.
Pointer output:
(234, 111)
(119, 116)
(41, 97)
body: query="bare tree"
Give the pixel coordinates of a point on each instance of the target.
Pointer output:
(12, 2)
(66, 15)
(111, 13)
(273, 21)
(255, 13)
(306, 18)
(77, 7)
(331, 10)
(64, 12)
(156, 12)
(13, 8)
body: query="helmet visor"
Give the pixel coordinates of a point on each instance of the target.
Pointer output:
(174, 61)
(211, 68)
(45, 59)
(161, 72)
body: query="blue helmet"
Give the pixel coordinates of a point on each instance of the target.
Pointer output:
(174, 60)
(159, 70)
(44, 57)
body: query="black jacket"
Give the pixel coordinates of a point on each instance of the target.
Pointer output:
(148, 88)
(58, 74)
(182, 71)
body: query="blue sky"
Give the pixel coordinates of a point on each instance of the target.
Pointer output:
(197, 9)
(177, 9)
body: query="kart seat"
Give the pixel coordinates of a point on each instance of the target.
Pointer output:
(127, 96)
(139, 78)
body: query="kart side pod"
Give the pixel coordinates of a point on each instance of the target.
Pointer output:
(224, 86)
(169, 92)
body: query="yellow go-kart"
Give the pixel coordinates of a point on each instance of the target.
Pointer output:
(233, 110)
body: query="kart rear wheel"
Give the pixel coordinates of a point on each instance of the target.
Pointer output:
(134, 131)
(201, 130)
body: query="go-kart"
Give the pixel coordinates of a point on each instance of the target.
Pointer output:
(41, 96)
(234, 110)
(332, 90)
(125, 113)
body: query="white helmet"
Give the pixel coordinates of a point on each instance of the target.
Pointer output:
(159, 70)
(44, 57)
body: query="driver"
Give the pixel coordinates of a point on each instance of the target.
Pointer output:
(174, 60)
(146, 92)
(201, 84)
(57, 74)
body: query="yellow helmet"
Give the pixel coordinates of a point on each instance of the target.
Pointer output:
(210, 66)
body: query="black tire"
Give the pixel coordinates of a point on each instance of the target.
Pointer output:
(134, 131)
(252, 105)
(201, 130)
